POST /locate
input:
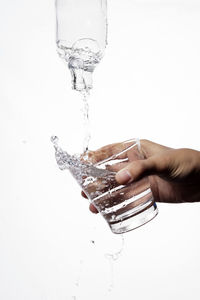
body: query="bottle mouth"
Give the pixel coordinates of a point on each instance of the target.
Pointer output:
(82, 58)
(81, 79)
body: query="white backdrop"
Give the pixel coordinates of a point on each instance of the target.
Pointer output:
(147, 86)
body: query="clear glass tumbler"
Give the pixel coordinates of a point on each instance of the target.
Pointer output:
(81, 37)
(124, 207)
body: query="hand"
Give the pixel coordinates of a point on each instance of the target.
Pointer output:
(174, 174)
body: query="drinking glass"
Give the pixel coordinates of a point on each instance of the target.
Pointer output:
(124, 207)
(81, 37)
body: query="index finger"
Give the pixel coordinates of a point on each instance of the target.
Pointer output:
(112, 151)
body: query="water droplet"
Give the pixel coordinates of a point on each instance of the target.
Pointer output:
(54, 139)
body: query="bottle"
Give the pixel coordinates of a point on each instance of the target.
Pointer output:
(81, 37)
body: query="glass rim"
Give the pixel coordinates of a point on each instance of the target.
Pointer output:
(134, 141)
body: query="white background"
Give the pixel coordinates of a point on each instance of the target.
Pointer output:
(147, 86)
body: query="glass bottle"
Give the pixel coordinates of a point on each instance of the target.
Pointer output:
(81, 37)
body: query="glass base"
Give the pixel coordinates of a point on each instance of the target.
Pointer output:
(134, 221)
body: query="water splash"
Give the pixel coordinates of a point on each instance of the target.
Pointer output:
(82, 58)
(55, 140)
(112, 258)
(82, 170)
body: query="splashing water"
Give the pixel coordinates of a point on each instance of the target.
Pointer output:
(83, 171)
(112, 258)
(82, 58)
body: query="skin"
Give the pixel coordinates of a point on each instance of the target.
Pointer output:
(174, 174)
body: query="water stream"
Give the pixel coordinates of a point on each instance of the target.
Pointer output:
(82, 59)
(112, 257)
(86, 122)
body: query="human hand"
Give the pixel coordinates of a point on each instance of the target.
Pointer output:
(174, 174)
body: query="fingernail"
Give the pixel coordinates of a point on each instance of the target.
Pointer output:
(123, 176)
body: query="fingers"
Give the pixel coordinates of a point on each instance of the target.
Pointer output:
(116, 167)
(91, 207)
(103, 153)
(83, 194)
(160, 165)
(149, 148)
(157, 162)
(109, 151)
(132, 172)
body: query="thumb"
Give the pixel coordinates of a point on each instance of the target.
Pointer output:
(155, 165)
